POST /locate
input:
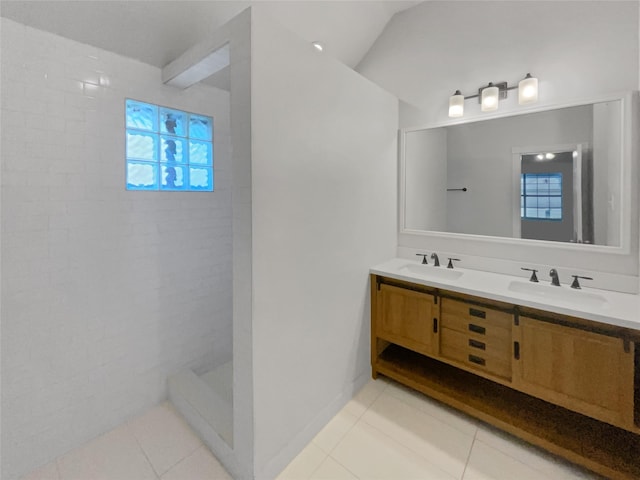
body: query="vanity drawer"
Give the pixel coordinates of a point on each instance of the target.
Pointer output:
(499, 348)
(474, 358)
(479, 320)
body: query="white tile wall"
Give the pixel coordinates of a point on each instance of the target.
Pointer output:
(104, 291)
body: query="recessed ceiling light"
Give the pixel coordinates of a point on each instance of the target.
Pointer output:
(318, 46)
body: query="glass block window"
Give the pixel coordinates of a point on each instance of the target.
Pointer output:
(168, 149)
(541, 196)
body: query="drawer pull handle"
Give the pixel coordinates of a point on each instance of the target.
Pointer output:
(476, 344)
(477, 329)
(474, 312)
(516, 350)
(476, 360)
(435, 325)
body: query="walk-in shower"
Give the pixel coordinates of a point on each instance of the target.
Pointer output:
(210, 394)
(203, 390)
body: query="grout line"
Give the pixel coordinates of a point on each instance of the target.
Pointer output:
(412, 449)
(342, 437)
(174, 413)
(432, 402)
(189, 456)
(153, 469)
(320, 464)
(344, 466)
(514, 458)
(407, 448)
(469, 455)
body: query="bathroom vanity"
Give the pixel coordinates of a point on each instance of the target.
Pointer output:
(555, 366)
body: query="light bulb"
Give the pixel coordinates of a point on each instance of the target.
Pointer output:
(490, 98)
(456, 105)
(528, 90)
(318, 46)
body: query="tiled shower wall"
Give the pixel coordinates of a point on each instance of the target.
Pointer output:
(104, 291)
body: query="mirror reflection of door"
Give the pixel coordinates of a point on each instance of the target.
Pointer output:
(554, 196)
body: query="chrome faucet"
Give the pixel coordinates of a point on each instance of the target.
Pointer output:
(555, 281)
(434, 257)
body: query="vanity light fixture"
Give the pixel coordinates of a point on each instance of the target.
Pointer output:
(490, 96)
(456, 104)
(528, 90)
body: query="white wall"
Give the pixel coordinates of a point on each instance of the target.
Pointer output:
(324, 188)
(426, 180)
(104, 291)
(578, 50)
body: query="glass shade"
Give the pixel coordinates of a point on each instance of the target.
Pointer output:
(490, 98)
(528, 90)
(456, 105)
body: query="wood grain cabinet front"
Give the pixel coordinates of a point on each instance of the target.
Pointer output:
(408, 318)
(587, 372)
(566, 384)
(476, 337)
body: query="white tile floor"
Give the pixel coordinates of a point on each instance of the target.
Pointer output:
(391, 432)
(157, 445)
(385, 432)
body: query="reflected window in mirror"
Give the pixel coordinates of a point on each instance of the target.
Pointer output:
(541, 196)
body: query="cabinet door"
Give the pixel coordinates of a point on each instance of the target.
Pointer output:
(407, 318)
(583, 371)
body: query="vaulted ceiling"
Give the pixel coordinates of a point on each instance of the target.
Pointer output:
(156, 32)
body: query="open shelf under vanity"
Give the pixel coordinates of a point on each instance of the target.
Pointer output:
(599, 446)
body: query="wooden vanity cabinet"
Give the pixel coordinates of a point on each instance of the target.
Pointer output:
(476, 337)
(588, 372)
(407, 317)
(568, 385)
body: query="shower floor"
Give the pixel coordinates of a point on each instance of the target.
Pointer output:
(211, 395)
(220, 379)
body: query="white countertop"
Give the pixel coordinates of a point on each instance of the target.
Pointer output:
(613, 308)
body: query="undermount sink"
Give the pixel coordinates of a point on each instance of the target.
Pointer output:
(428, 271)
(562, 293)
